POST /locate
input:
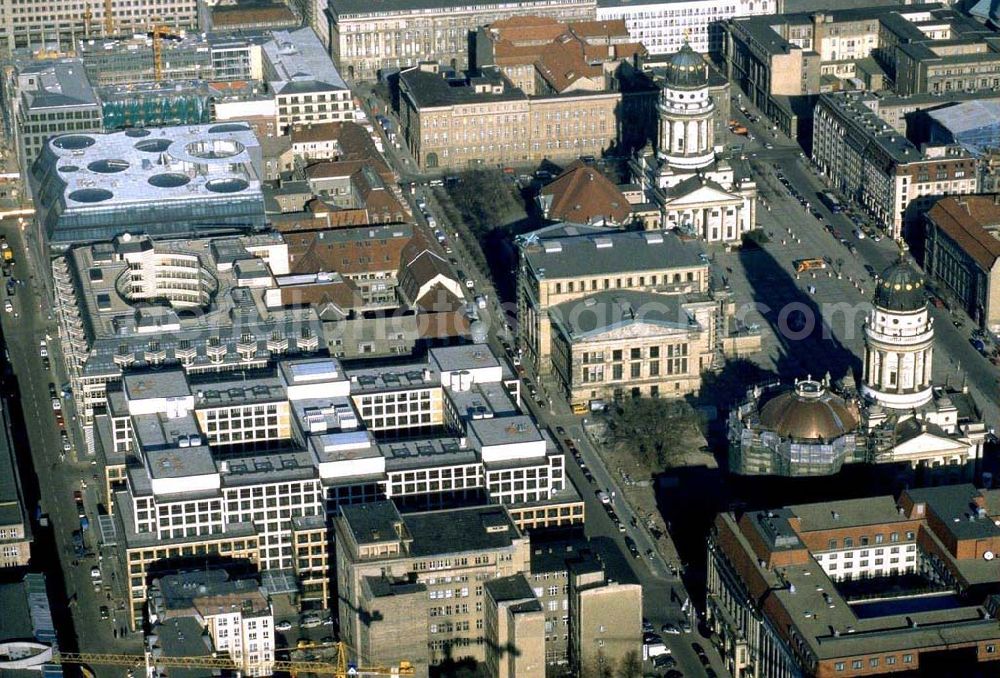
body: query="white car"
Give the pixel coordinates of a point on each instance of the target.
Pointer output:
(859, 234)
(56, 405)
(311, 622)
(283, 626)
(7, 306)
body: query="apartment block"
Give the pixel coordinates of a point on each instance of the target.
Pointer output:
(438, 564)
(606, 618)
(484, 119)
(870, 163)
(235, 612)
(307, 87)
(515, 629)
(805, 589)
(962, 251)
(366, 39)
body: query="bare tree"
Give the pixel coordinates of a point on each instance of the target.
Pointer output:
(599, 667)
(630, 665)
(652, 428)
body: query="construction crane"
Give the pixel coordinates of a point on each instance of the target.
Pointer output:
(109, 19)
(87, 16)
(339, 669)
(158, 33)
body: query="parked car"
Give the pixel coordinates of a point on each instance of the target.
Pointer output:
(664, 661)
(311, 621)
(670, 630)
(105, 614)
(283, 626)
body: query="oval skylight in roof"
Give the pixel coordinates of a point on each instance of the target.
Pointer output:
(169, 180)
(215, 149)
(73, 142)
(232, 185)
(228, 127)
(108, 166)
(90, 195)
(153, 145)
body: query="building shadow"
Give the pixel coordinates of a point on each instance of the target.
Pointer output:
(805, 333)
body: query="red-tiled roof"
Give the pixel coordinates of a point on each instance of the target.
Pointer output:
(581, 194)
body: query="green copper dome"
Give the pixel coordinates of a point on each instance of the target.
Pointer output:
(687, 69)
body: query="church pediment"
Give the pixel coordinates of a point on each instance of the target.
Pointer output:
(704, 194)
(636, 330)
(929, 444)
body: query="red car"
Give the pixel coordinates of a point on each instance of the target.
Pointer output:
(77, 495)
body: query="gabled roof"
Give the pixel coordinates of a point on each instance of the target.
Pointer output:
(581, 194)
(965, 220)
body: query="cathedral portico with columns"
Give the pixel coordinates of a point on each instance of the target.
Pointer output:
(700, 192)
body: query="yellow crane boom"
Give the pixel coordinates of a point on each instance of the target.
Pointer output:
(109, 19)
(159, 32)
(337, 669)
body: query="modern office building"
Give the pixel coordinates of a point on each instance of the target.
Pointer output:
(248, 463)
(131, 59)
(39, 24)
(171, 181)
(49, 98)
(962, 254)
(664, 27)
(366, 38)
(306, 85)
(213, 319)
(858, 587)
(483, 119)
(876, 167)
(15, 527)
(235, 612)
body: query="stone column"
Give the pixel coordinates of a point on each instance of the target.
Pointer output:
(692, 137)
(928, 364)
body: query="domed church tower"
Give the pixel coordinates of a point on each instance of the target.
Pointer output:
(899, 341)
(686, 138)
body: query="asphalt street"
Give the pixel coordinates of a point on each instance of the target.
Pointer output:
(663, 593)
(60, 475)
